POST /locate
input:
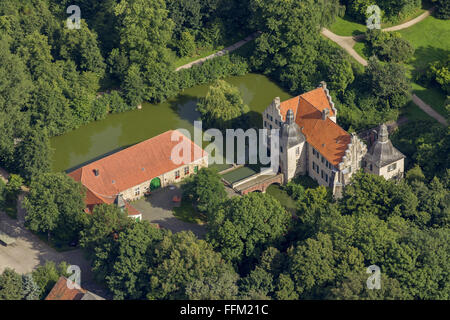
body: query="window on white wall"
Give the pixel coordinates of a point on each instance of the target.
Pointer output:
(392, 167)
(137, 191)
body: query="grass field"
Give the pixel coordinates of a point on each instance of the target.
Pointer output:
(431, 39)
(413, 112)
(346, 26)
(286, 201)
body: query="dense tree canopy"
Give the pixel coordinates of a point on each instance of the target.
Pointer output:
(55, 205)
(223, 106)
(244, 226)
(205, 190)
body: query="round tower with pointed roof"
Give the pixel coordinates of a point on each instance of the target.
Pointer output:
(292, 148)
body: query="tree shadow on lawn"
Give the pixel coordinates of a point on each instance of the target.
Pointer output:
(423, 56)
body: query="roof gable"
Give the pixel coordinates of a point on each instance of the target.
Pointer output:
(61, 291)
(325, 136)
(130, 167)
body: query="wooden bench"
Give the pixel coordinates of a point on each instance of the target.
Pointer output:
(6, 240)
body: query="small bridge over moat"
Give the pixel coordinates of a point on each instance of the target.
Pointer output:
(258, 182)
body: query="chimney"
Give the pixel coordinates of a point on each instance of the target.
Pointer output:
(325, 113)
(96, 172)
(323, 84)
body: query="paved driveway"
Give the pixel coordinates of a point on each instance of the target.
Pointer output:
(29, 252)
(158, 207)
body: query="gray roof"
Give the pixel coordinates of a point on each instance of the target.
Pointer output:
(382, 152)
(291, 131)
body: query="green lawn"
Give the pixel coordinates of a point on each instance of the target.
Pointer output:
(286, 201)
(431, 39)
(360, 48)
(413, 112)
(346, 26)
(187, 213)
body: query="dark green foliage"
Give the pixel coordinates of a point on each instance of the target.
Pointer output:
(213, 69)
(55, 206)
(122, 260)
(10, 285)
(223, 106)
(391, 10)
(104, 223)
(387, 82)
(442, 9)
(242, 227)
(389, 46)
(427, 144)
(354, 287)
(30, 289)
(46, 276)
(34, 155)
(438, 72)
(180, 261)
(205, 190)
(13, 188)
(373, 194)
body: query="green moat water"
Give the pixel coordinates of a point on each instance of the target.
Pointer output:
(118, 131)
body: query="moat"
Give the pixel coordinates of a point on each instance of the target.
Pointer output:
(121, 130)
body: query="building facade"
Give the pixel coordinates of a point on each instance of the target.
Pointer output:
(147, 166)
(313, 144)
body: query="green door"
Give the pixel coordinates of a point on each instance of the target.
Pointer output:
(155, 184)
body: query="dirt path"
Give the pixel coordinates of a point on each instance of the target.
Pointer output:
(221, 52)
(410, 23)
(348, 42)
(428, 109)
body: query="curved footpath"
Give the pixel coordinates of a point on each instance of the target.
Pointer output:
(347, 43)
(221, 52)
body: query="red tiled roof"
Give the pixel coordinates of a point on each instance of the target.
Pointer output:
(131, 167)
(325, 136)
(62, 292)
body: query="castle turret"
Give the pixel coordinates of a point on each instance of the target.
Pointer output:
(383, 158)
(292, 151)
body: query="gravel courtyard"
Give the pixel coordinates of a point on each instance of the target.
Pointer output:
(158, 207)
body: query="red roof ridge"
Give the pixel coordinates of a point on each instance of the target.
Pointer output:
(61, 291)
(105, 178)
(326, 136)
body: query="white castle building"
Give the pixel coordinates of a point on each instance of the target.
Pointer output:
(312, 143)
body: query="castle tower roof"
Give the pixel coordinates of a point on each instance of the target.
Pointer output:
(290, 131)
(382, 152)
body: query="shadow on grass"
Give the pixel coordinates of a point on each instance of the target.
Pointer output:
(187, 213)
